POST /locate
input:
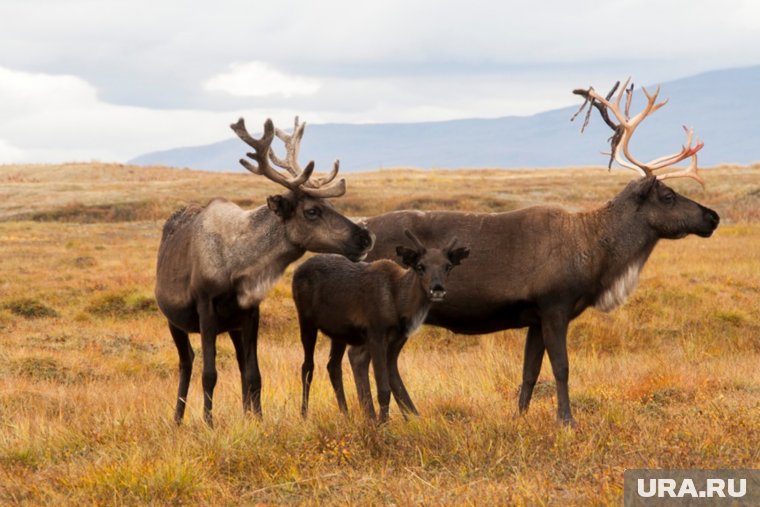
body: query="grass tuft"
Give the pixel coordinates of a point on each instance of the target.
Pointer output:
(43, 368)
(122, 305)
(29, 308)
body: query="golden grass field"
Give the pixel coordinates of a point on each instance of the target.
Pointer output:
(88, 371)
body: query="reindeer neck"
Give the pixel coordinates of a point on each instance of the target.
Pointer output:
(625, 233)
(264, 237)
(268, 231)
(619, 243)
(411, 296)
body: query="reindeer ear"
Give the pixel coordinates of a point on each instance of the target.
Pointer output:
(457, 255)
(281, 206)
(409, 256)
(644, 188)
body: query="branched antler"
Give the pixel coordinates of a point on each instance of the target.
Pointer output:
(300, 177)
(292, 147)
(417, 243)
(623, 131)
(617, 129)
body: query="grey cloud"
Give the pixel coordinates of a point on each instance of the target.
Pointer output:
(157, 54)
(383, 61)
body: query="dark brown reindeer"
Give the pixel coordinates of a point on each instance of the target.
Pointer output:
(373, 306)
(541, 267)
(217, 262)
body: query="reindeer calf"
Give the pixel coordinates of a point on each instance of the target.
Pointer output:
(377, 305)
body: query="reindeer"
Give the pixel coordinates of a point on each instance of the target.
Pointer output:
(541, 267)
(217, 262)
(374, 307)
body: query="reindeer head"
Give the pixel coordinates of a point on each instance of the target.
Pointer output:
(669, 214)
(310, 220)
(432, 266)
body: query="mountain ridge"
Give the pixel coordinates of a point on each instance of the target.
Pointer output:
(718, 104)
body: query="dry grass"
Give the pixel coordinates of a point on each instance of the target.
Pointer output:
(94, 193)
(88, 370)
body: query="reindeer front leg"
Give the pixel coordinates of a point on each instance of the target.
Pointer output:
(534, 356)
(377, 342)
(252, 383)
(359, 358)
(186, 356)
(236, 335)
(335, 370)
(208, 328)
(400, 394)
(554, 326)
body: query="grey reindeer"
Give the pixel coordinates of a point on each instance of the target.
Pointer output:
(217, 262)
(541, 267)
(374, 307)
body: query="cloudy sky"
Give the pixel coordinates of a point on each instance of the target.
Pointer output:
(108, 80)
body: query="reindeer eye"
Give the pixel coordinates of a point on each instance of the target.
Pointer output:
(669, 198)
(420, 268)
(312, 213)
(448, 267)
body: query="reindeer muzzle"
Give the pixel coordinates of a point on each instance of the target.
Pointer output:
(437, 295)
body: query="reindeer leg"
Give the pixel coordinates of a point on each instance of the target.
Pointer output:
(534, 356)
(359, 357)
(378, 351)
(554, 326)
(208, 327)
(400, 394)
(309, 341)
(335, 369)
(186, 356)
(237, 340)
(250, 332)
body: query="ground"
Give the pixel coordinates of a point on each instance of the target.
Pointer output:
(88, 371)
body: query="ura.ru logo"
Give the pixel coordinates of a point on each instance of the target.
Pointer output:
(714, 488)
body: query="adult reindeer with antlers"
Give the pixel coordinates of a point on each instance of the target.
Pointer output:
(541, 267)
(217, 262)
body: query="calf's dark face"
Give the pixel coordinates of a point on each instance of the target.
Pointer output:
(670, 214)
(432, 267)
(314, 225)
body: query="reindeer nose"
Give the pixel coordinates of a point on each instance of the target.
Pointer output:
(712, 217)
(437, 292)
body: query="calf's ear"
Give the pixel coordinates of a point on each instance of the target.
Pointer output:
(409, 256)
(458, 255)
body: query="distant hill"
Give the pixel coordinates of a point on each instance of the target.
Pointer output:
(720, 105)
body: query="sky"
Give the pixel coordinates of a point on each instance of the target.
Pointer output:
(86, 80)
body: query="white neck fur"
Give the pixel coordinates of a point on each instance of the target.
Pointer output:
(620, 288)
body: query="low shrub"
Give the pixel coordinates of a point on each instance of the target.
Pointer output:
(29, 308)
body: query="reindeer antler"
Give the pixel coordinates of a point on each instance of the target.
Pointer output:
(623, 131)
(300, 179)
(417, 243)
(292, 147)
